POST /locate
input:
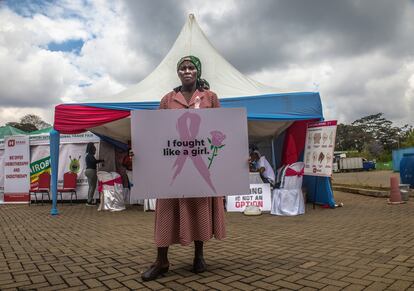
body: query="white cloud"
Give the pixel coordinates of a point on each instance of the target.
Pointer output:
(13, 114)
(355, 75)
(33, 76)
(351, 88)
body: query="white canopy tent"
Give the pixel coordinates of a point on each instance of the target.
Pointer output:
(224, 79)
(269, 112)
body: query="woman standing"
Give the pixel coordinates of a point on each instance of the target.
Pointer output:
(90, 171)
(187, 220)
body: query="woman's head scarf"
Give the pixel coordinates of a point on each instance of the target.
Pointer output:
(201, 83)
(196, 62)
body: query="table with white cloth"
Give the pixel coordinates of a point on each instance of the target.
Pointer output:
(254, 178)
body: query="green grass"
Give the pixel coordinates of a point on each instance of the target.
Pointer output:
(384, 165)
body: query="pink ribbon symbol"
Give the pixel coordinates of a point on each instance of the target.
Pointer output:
(189, 132)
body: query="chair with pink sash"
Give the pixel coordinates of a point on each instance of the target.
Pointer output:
(110, 189)
(288, 199)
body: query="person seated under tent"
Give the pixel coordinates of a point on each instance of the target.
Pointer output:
(260, 164)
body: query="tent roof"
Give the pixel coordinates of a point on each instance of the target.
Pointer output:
(224, 79)
(41, 131)
(264, 105)
(10, 130)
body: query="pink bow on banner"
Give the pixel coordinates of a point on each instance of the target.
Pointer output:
(109, 183)
(291, 172)
(189, 132)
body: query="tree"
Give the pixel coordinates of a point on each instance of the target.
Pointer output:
(349, 137)
(35, 120)
(29, 122)
(373, 136)
(377, 128)
(374, 149)
(408, 139)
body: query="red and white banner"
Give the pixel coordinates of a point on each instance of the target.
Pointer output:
(259, 196)
(16, 169)
(319, 148)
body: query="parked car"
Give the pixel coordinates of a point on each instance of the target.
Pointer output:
(368, 165)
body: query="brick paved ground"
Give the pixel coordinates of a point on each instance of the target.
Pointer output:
(365, 245)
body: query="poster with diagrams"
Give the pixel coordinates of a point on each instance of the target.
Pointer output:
(319, 148)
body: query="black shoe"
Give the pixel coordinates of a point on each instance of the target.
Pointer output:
(199, 265)
(154, 272)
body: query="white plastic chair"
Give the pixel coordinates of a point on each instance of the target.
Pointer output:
(288, 200)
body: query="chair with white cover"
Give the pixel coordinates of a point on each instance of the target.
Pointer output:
(110, 188)
(288, 199)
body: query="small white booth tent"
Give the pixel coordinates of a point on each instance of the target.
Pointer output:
(269, 113)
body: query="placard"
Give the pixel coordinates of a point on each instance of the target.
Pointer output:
(259, 196)
(319, 148)
(16, 169)
(189, 153)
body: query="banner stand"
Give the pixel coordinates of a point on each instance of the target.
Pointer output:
(54, 158)
(319, 151)
(16, 169)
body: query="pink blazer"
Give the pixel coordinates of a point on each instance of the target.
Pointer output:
(176, 100)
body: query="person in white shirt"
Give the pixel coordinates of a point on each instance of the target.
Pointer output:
(263, 167)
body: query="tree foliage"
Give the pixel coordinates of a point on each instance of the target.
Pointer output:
(373, 135)
(408, 141)
(29, 122)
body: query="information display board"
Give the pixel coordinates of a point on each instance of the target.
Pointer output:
(16, 169)
(319, 148)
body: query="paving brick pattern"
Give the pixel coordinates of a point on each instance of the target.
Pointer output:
(365, 178)
(366, 245)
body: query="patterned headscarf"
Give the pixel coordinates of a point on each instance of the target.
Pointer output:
(196, 62)
(201, 83)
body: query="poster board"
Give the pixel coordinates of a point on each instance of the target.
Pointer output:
(16, 169)
(259, 196)
(319, 148)
(189, 153)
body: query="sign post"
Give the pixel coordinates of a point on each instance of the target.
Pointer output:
(16, 169)
(319, 150)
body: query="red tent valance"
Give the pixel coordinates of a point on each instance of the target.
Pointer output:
(72, 119)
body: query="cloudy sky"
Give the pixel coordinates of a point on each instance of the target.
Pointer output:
(358, 54)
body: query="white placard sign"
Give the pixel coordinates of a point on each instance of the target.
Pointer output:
(259, 196)
(319, 148)
(16, 168)
(189, 152)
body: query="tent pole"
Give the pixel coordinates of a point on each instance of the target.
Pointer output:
(273, 154)
(54, 159)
